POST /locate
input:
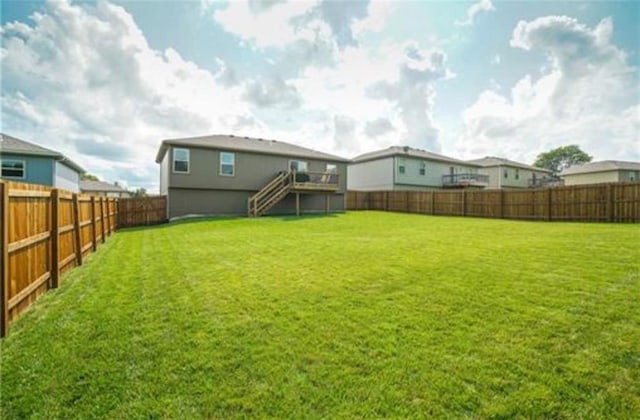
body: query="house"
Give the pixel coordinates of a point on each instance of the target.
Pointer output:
(231, 175)
(603, 171)
(27, 162)
(505, 173)
(406, 168)
(103, 189)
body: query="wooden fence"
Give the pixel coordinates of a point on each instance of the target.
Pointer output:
(615, 202)
(45, 232)
(142, 211)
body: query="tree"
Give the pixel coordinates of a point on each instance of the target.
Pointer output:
(561, 158)
(139, 192)
(89, 177)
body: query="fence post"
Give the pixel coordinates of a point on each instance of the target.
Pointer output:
(549, 204)
(610, 203)
(464, 202)
(102, 219)
(501, 203)
(94, 244)
(386, 201)
(4, 260)
(433, 202)
(117, 213)
(76, 229)
(55, 238)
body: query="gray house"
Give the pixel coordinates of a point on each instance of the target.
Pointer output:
(603, 171)
(103, 189)
(505, 173)
(27, 162)
(406, 168)
(230, 175)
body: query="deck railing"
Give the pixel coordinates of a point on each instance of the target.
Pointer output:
(545, 182)
(315, 181)
(465, 179)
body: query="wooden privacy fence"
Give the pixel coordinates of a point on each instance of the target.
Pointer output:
(142, 211)
(615, 202)
(45, 232)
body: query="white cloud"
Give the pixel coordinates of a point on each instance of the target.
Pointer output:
(83, 80)
(496, 59)
(589, 96)
(473, 10)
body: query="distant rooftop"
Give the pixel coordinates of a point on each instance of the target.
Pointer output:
(602, 166)
(247, 144)
(100, 186)
(489, 161)
(408, 152)
(10, 144)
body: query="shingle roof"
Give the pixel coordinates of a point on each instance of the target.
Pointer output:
(408, 152)
(9, 144)
(247, 144)
(602, 166)
(100, 186)
(489, 161)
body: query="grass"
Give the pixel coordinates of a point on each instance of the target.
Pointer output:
(358, 315)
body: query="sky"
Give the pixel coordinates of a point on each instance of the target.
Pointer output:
(104, 82)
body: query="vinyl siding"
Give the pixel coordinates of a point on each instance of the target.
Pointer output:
(433, 172)
(66, 178)
(592, 178)
(371, 176)
(39, 169)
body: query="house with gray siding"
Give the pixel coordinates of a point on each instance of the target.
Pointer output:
(406, 168)
(232, 175)
(509, 174)
(601, 172)
(103, 189)
(27, 162)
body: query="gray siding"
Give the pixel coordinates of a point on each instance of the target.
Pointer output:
(204, 191)
(66, 178)
(252, 171)
(39, 169)
(372, 175)
(185, 202)
(434, 171)
(164, 175)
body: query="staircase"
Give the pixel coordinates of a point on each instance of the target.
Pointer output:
(270, 195)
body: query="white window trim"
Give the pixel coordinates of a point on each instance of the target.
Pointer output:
(173, 161)
(297, 160)
(233, 165)
(24, 168)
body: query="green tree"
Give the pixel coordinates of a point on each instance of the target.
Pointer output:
(561, 158)
(139, 192)
(89, 177)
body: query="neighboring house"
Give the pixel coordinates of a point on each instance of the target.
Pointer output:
(505, 173)
(406, 168)
(27, 162)
(103, 189)
(223, 174)
(603, 171)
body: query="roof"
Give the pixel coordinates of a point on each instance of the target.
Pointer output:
(9, 144)
(489, 161)
(246, 144)
(602, 166)
(100, 186)
(408, 152)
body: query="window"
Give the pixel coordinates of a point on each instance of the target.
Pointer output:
(227, 163)
(401, 167)
(332, 168)
(505, 173)
(181, 161)
(423, 168)
(517, 173)
(12, 168)
(298, 165)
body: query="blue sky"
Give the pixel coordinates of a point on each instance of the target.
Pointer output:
(105, 82)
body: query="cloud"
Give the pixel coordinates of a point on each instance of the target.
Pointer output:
(412, 94)
(473, 10)
(378, 127)
(589, 96)
(83, 80)
(274, 92)
(340, 16)
(345, 132)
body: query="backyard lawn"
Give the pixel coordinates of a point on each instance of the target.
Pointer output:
(363, 314)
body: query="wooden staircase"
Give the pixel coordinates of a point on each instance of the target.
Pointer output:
(270, 195)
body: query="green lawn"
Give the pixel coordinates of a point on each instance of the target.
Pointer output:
(357, 315)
